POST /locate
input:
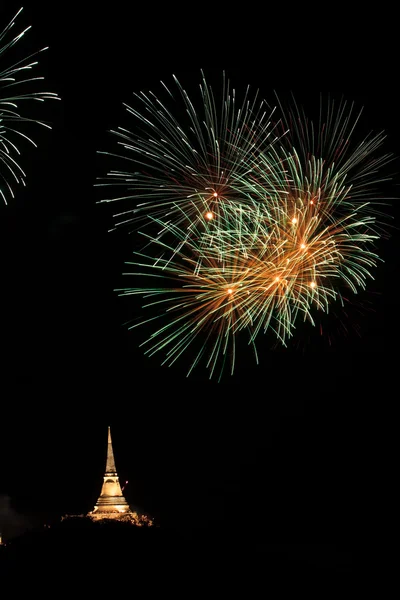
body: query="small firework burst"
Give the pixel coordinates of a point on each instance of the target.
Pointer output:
(17, 91)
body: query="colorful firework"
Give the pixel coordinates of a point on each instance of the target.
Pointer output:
(293, 231)
(256, 268)
(15, 84)
(189, 157)
(328, 168)
(201, 283)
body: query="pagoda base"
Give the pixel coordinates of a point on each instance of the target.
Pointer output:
(125, 517)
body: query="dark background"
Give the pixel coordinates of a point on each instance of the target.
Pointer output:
(282, 446)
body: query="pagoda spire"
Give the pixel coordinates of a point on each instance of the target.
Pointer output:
(110, 464)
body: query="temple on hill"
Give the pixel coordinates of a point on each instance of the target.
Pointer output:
(111, 503)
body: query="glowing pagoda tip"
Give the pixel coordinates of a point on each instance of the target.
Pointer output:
(110, 465)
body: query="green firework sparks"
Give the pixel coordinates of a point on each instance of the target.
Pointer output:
(188, 157)
(17, 91)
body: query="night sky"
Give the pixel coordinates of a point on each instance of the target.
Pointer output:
(281, 444)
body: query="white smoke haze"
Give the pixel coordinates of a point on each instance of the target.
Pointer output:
(12, 523)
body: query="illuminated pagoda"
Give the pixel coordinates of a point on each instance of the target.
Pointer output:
(111, 503)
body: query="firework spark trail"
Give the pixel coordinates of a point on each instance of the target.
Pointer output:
(192, 160)
(348, 170)
(12, 79)
(198, 303)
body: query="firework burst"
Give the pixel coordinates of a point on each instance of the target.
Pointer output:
(15, 84)
(250, 232)
(198, 288)
(255, 269)
(189, 157)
